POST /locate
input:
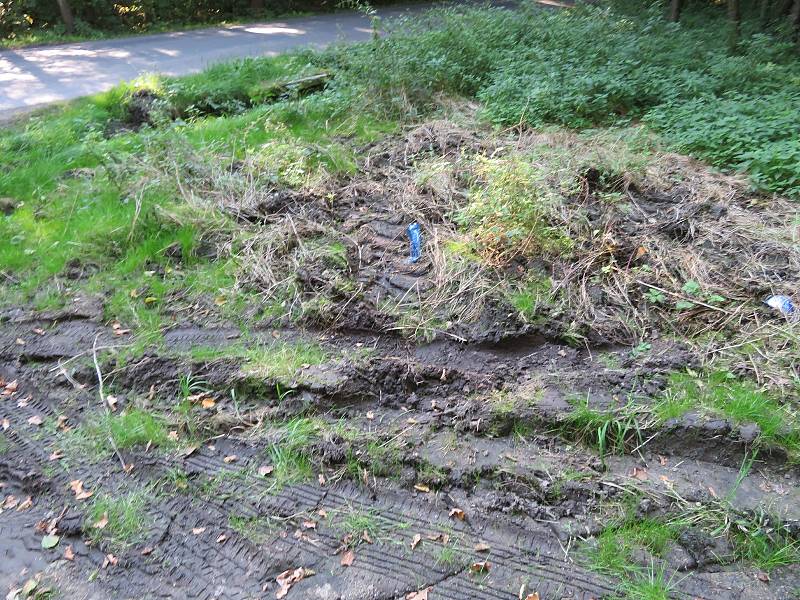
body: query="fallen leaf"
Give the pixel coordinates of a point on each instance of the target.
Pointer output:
(110, 559)
(220, 300)
(265, 470)
(415, 542)
(762, 576)
(38, 331)
(10, 388)
(365, 537)
(288, 578)
(639, 473)
(712, 492)
(322, 513)
(439, 537)
(6, 424)
(662, 460)
(418, 595)
(480, 567)
(482, 547)
(56, 455)
(80, 493)
(150, 300)
(10, 502)
(25, 504)
(370, 415)
(640, 252)
(457, 513)
(112, 402)
(61, 423)
(229, 459)
(20, 342)
(421, 487)
(309, 525)
(189, 451)
(533, 596)
(207, 403)
(321, 479)
(147, 550)
(50, 541)
(35, 420)
(347, 558)
(222, 537)
(29, 587)
(198, 530)
(134, 293)
(102, 522)
(173, 435)
(69, 554)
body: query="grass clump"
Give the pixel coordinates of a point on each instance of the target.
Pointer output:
(741, 401)
(126, 516)
(93, 439)
(513, 212)
(609, 431)
(290, 456)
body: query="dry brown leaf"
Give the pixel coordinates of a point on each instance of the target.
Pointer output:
(480, 567)
(77, 488)
(321, 479)
(61, 423)
(6, 424)
(110, 559)
(533, 596)
(370, 415)
(207, 403)
(365, 537)
(56, 455)
(421, 487)
(147, 550)
(25, 504)
(416, 541)
(265, 470)
(418, 595)
(309, 524)
(10, 388)
(102, 522)
(69, 553)
(198, 530)
(639, 473)
(662, 460)
(112, 402)
(457, 513)
(762, 576)
(347, 558)
(10, 502)
(322, 513)
(482, 547)
(38, 331)
(222, 537)
(288, 578)
(229, 459)
(35, 420)
(173, 435)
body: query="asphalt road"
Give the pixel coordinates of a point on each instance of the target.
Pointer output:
(35, 76)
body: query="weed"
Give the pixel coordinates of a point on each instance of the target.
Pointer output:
(289, 456)
(609, 431)
(93, 439)
(126, 519)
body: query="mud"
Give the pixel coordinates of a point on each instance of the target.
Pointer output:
(444, 457)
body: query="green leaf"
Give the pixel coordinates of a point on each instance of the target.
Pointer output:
(691, 287)
(50, 541)
(684, 305)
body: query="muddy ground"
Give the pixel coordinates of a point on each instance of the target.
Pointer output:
(438, 461)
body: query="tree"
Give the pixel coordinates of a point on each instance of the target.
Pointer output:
(675, 10)
(66, 15)
(794, 16)
(735, 16)
(256, 5)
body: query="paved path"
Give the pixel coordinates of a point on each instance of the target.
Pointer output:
(34, 76)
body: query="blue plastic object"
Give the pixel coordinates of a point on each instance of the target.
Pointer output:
(415, 237)
(784, 304)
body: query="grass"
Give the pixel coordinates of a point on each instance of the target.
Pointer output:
(126, 516)
(92, 439)
(4, 445)
(256, 529)
(290, 456)
(723, 394)
(355, 524)
(608, 431)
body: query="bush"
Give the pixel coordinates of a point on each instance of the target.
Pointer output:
(592, 66)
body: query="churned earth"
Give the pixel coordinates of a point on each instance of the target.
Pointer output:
(549, 414)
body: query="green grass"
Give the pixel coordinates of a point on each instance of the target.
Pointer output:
(722, 394)
(278, 360)
(256, 529)
(92, 439)
(608, 431)
(354, 524)
(127, 519)
(4, 445)
(290, 456)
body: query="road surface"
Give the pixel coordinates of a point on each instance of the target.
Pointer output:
(31, 77)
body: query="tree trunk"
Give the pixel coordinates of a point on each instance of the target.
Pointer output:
(764, 12)
(794, 16)
(675, 10)
(735, 17)
(66, 15)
